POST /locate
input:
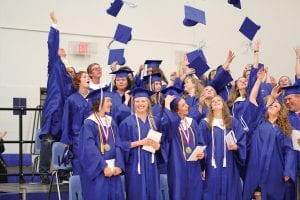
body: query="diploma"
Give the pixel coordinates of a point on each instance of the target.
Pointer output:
(197, 150)
(155, 136)
(295, 139)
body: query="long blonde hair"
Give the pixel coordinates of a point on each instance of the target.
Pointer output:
(226, 116)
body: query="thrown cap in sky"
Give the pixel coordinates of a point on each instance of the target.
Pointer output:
(115, 8)
(141, 92)
(193, 16)
(249, 28)
(116, 55)
(197, 61)
(123, 34)
(235, 3)
(153, 63)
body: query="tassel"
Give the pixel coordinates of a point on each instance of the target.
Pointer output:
(152, 158)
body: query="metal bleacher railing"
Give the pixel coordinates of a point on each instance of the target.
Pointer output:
(21, 142)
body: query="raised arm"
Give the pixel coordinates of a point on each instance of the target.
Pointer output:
(255, 90)
(256, 53)
(297, 51)
(53, 41)
(229, 59)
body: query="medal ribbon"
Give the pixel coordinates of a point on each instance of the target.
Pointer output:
(186, 133)
(105, 132)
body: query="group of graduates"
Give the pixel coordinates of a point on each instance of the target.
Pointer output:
(244, 125)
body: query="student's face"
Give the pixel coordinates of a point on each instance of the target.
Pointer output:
(156, 86)
(188, 85)
(121, 83)
(183, 108)
(96, 71)
(284, 81)
(84, 80)
(241, 83)
(217, 103)
(71, 72)
(209, 92)
(274, 108)
(292, 101)
(106, 104)
(141, 104)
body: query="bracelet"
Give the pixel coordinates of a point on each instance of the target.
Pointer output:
(256, 51)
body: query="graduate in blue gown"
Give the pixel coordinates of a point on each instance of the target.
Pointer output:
(101, 158)
(59, 87)
(74, 115)
(222, 178)
(292, 101)
(141, 166)
(184, 177)
(237, 101)
(120, 97)
(270, 159)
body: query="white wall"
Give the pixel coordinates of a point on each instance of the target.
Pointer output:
(157, 33)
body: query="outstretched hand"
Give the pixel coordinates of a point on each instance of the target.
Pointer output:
(53, 17)
(2, 135)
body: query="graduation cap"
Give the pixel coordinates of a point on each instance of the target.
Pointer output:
(152, 78)
(235, 3)
(197, 61)
(116, 55)
(123, 34)
(193, 16)
(172, 90)
(121, 73)
(293, 89)
(141, 92)
(115, 8)
(249, 28)
(153, 63)
(99, 94)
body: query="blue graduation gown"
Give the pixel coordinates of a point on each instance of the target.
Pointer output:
(239, 107)
(93, 182)
(143, 186)
(73, 118)
(59, 87)
(295, 122)
(271, 157)
(184, 177)
(223, 182)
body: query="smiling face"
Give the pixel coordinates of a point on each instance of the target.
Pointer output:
(217, 103)
(274, 108)
(241, 83)
(209, 92)
(141, 104)
(182, 108)
(95, 71)
(156, 86)
(284, 81)
(292, 102)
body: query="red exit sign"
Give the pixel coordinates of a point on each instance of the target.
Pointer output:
(83, 48)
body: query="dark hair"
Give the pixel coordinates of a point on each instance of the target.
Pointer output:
(95, 105)
(76, 79)
(129, 84)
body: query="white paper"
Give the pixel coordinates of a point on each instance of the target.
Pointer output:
(295, 138)
(111, 163)
(197, 150)
(153, 135)
(230, 138)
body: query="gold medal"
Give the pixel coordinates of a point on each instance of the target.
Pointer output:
(107, 147)
(188, 150)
